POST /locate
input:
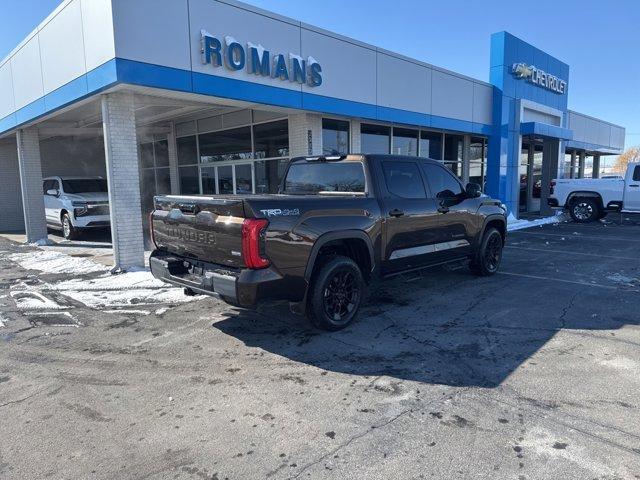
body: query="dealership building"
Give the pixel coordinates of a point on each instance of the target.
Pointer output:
(214, 96)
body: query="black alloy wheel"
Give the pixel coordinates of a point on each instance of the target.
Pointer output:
(335, 293)
(488, 257)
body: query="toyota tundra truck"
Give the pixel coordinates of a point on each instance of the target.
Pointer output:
(337, 225)
(590, 199)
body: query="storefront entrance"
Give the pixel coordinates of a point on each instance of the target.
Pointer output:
(531, 157)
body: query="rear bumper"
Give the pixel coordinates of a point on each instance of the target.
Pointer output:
(243, 288)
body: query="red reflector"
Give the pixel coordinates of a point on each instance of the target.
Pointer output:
(251, 240)
(551, 187)
(153, 238)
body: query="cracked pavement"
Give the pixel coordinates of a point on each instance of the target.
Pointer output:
(530, 374)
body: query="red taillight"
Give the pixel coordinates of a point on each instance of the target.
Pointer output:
(153, 239)
(252, 229)
(551, 187)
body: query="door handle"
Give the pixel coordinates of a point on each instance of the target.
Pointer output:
(396, 213)
(634, 186)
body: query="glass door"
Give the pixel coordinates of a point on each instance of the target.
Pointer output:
(228, 179)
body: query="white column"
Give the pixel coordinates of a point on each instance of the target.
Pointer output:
(173, 160)
(12, 216)
(581, 165)
(572, 171)
(123, 177)
(305, 134)
(596, 166)
(356, 142)
(35, 222)
(466, 154)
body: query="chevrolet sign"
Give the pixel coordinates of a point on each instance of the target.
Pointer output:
(539, 77)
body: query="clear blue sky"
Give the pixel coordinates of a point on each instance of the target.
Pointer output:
(598, 39)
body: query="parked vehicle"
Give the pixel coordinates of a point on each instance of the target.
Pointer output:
(589, 199)
(74, 204)
(339, 224)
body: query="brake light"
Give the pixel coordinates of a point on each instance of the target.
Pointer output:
(552, 185)
(153, 238)
(252, 239)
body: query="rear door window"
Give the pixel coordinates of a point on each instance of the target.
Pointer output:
(636, 174)
(403, 179)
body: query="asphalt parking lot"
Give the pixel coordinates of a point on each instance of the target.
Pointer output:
(530, 374)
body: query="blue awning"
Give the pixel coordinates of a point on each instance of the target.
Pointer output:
(545, 130)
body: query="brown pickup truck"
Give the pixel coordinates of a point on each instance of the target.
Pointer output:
(338, 224)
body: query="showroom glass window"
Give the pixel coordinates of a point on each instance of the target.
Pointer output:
(154, 171)
(405, 141)
(226, 145)
(335, 137)
(187, 148)
(431, 145)
(271, 139)
(478, 161)
(375, 138)
(453, 151)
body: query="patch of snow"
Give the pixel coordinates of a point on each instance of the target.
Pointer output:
(514, 224)
(311, 60)
(229, 40)
(49, 261)
(129, 312)
(3, 321)
(621, 363)
(160, 311)
(30, 300)
(130, 288)
(619, 278)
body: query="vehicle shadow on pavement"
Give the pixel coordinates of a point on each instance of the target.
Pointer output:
(445, 328)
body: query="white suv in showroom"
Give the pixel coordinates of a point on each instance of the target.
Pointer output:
(73, 204)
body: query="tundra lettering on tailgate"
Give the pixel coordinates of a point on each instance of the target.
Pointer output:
(192, 235)
(281, 212)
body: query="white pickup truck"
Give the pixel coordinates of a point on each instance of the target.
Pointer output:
(589, 199)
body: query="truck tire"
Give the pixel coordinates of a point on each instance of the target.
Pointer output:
(488, 257)
(68, 230)
(584, 210)
(335, 293)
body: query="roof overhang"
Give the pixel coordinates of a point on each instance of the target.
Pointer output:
(545, 130)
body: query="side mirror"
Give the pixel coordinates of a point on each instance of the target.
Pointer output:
(473, 190)
(53, 192)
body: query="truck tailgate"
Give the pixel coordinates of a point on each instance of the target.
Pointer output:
(206, 228)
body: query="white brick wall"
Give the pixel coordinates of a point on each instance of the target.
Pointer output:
(31, 183)
(121, 153)
(300, 125)
(11, 214)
